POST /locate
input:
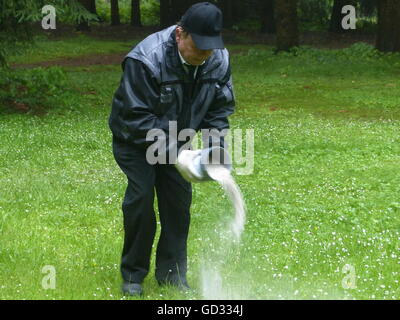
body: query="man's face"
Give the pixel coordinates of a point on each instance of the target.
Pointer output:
(188, 49)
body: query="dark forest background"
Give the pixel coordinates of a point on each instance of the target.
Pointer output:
(286, 19)
(283, 25)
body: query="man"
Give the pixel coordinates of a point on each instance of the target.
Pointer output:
(179, 74)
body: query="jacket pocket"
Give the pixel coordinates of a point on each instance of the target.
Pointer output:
(166, 100)
(227, 91)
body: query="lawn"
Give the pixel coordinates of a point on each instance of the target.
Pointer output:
(69, 47)
(322, 201)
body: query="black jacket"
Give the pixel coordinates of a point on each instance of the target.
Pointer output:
(155, 89)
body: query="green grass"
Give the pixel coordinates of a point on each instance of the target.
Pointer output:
(324, 191)
(74, 46)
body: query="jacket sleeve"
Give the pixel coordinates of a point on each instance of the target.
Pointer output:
(138, 96)
(218, 112)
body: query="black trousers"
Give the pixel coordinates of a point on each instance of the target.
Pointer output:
(174, 196)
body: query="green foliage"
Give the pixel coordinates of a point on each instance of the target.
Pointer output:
(12, 30)
(368, 7)
(71, 11)
(17, 16)
(367, 25)
(315, 13)
(247, 25)
(357, 51)
(31, 10)
(360, 50)
(31, 91)
(149, 10)
(360, 53)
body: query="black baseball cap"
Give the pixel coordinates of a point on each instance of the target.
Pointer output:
(203, 21)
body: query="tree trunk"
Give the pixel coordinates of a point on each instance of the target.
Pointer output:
(84, 25)
(93, 10)
(115, 20)
(165, 8)
(226, 8)
(267, 10)
(179, 7)
(287, 32)
(92, 7)
(135, 14)
(337, 15)
(171, 11)
(237, 10)
(388, 37)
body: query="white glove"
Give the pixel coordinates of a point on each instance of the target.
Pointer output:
(188, 165)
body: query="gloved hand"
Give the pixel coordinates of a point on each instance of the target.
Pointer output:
(188, 165)
(194, 165)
